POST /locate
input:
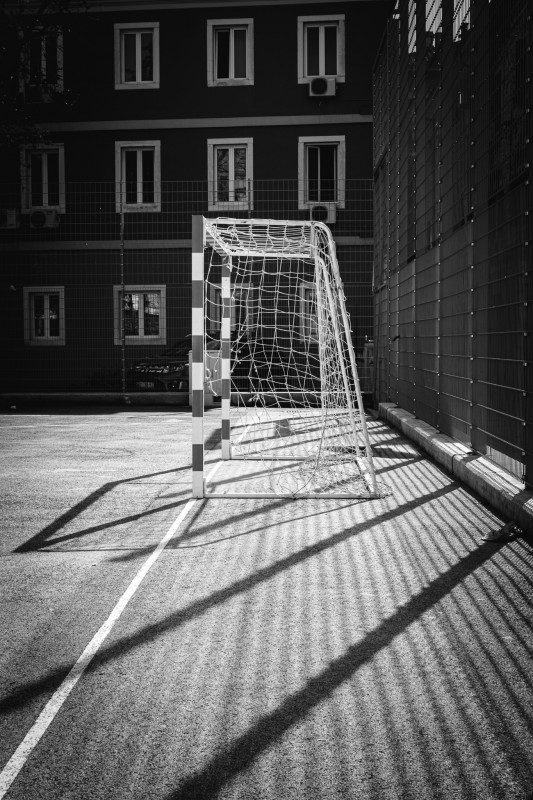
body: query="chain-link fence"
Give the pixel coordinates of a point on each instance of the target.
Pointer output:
(97, 297)
(452, 153)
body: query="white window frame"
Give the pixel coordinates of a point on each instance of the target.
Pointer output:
(29, 293)
(25, 79)
(117, 316)
(136, 27)
(27, 206)
(308, 330)
(303, 142)
(321, 20)
(120, 149)
(224, 205)
(212, 26)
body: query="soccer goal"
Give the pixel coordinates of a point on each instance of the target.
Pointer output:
(268, 298)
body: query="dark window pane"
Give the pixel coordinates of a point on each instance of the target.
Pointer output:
(53, 313)
(312, 172)
(53, 179)
(222, 53)
(239, 172)
(36, 168)
(130, 57)
(38, 315)
(313, 64)
(147, 57)
(131, 314)
(330, 49)
(50, 56)
(328, 173)
(148, 176)
(310, 311)
(239, 53)
(35, 65)
(240, 297)
(151, 314)
(130, 158)
(222, 176)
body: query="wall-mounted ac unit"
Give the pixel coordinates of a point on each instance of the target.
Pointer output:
(44, 218)
(9, 218)
(323, 212)
(322, 87)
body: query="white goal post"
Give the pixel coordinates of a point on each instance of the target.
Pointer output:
(268, 297)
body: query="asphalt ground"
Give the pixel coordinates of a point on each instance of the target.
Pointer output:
(271, 649)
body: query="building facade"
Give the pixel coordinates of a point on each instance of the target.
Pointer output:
(453, 201)
(151, 113)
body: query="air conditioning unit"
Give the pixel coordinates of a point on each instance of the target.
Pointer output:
(9, 218)
(323, 212)
(322, 87)
(44, 218)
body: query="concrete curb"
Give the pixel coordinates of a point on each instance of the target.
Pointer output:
(502, 490)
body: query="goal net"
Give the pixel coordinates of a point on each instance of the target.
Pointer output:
(269, 302)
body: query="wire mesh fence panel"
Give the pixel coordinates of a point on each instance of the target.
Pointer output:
(98, 277)
(464, 226)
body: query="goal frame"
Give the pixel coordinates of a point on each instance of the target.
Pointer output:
(198, 368)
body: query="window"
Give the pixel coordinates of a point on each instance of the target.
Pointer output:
(140, 312)
(137, 55)
(230, 173)
(433, 17)
(461, 18)
(308, 313)
(138, 176)
(43, 177)
(321, 170)
(44, 315)
(42, 66)
(321, 47)
(244, 307)
(230, 52)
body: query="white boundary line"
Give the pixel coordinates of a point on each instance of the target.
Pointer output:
(47, 715)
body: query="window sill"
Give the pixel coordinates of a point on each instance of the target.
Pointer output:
(143, 340)
(57, 209)
(155, 208)
(45, 342)
(151, 85)
(308, 78)
(307, 205)
(231, 82)
(240, 205)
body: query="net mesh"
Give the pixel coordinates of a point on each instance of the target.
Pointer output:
(296, 401)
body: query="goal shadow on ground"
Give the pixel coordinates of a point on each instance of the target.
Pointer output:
(45, 537)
